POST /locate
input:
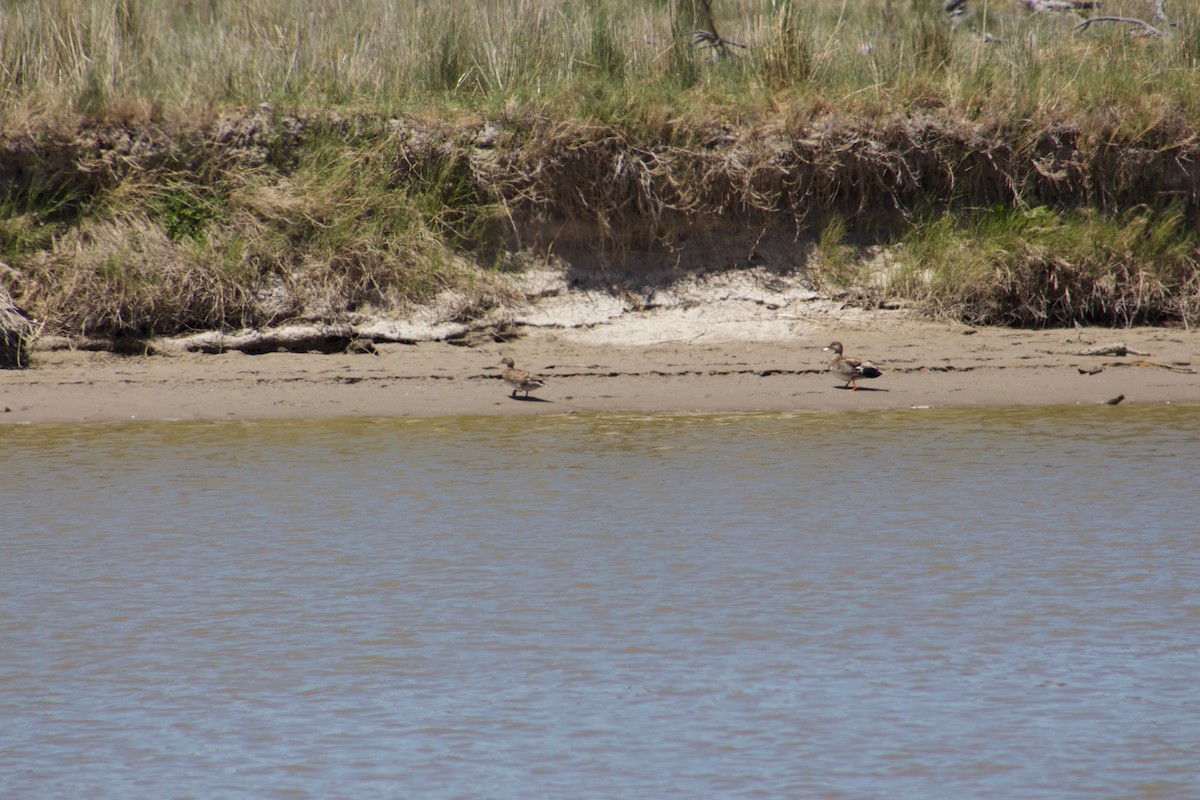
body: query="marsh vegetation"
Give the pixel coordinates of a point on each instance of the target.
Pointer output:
(176, 166)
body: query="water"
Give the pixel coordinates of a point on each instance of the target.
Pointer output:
(926, 604)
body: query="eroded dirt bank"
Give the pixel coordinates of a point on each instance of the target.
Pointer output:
(259, 218)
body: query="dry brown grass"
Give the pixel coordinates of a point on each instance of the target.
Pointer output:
(17, 333)
(126, 278)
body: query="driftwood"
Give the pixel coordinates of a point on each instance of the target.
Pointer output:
(319, 338)
(292, 339)
(1158, 12)
(1114, 401)
(1119, 349)
(1059, 5)
(1141, 362)
(1038, 6)
(1147, 28)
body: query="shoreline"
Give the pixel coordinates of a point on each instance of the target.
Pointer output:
(764, 365)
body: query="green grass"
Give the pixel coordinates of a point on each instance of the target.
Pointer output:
(113, 58)
(1037, 267)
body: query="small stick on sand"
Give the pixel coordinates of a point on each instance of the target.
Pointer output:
(1119, 349)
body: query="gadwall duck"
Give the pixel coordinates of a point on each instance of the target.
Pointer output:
(521, 380)
(850, 368)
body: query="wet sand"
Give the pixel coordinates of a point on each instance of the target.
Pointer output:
(728, 369)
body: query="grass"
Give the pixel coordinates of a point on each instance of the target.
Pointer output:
(1037, 267)
(114, 58)
(353, 223)
(172, 166)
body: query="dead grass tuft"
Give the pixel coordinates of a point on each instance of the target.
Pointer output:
(17, 332)
(126, 278)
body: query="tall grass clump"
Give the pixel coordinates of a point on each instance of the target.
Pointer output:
(785, 58)
(378, 223)
(836, 263)
(450, 66)
(126, 278)
(1037, 267)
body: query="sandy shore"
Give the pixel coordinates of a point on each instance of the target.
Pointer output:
(770, 364)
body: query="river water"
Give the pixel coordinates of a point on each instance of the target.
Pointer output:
(922, 604)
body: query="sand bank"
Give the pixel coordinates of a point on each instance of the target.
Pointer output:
(675, 360)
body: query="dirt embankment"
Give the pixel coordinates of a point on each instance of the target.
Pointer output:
(612, 219)
(575, 183)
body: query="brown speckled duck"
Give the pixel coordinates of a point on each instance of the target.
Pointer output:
(850, 368)
(521, 380)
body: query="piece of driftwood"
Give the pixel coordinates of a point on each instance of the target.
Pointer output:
(1147, 28)
(1141, 362)
(340, 338)
(1059, 5)
(289, 339)
(1114, 401)
(1119, 349)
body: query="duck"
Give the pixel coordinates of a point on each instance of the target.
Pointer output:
(850, 368)
(521, 380)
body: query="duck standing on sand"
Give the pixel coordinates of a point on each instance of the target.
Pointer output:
(850, 368)
(521, 380)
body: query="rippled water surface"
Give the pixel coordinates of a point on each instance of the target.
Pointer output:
(928, 604)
